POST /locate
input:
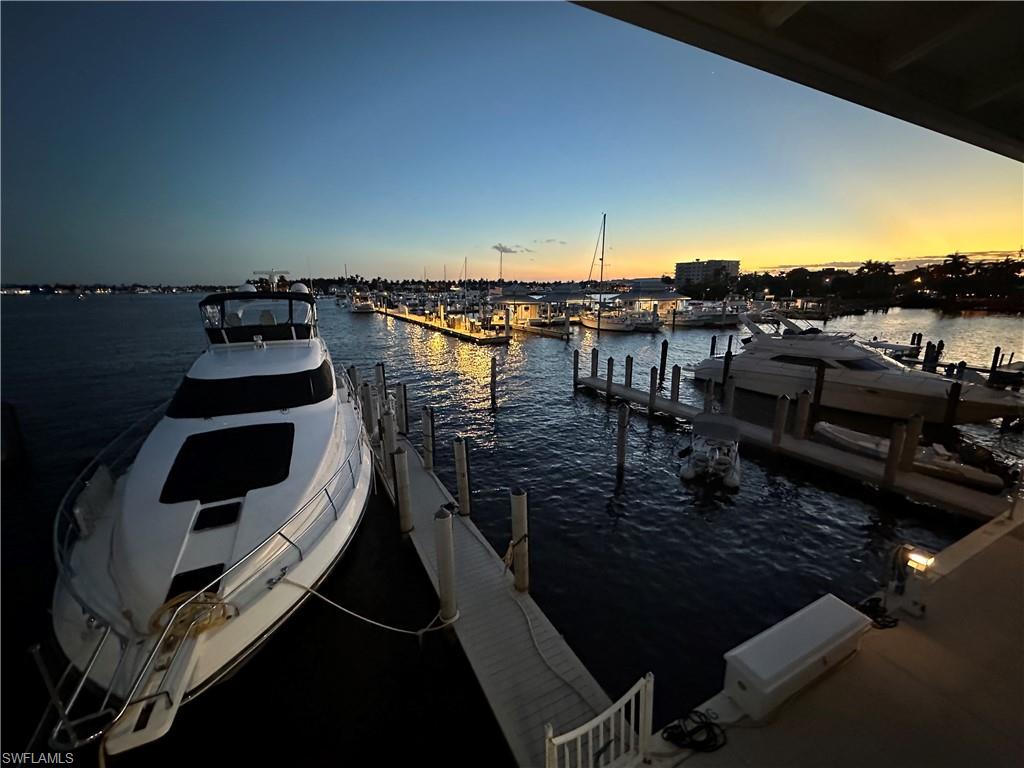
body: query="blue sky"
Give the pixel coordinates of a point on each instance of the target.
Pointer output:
(195, 143)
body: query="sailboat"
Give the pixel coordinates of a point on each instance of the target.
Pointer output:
(608, 320)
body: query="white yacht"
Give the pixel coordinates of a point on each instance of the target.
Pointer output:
(361, 304)
(645, 320)
(700, 314)
(858, 378)
(180, 548)
(609, 320)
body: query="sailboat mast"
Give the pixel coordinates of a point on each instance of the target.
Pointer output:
(600, 283)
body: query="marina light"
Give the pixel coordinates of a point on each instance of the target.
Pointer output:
(919, 559)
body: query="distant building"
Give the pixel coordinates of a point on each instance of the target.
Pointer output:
(704, 272)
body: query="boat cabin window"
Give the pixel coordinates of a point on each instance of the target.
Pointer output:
(863, 364)
(812, 362)
(206, 398)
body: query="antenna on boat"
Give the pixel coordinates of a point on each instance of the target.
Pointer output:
(600, 283)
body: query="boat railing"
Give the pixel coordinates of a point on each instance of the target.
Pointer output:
(63, 735)
(619, 737)
(117, 456)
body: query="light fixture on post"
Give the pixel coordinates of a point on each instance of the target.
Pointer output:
(910, 566)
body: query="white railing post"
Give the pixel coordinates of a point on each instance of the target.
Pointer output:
(647, 709)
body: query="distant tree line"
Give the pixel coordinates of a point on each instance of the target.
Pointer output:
(958, 281)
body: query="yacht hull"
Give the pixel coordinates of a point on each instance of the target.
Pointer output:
(869, 395)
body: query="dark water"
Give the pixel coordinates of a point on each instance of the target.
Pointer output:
(649, 576)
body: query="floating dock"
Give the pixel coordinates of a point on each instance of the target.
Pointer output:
(921, 488)
(528, 673)
(549, 331)
(476, 337)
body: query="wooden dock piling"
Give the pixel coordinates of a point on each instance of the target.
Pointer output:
(629, 370)
(709, 395)
(401, 409)
(781, 416)
(366, 406)
(915, 424)
(803, 413)
(575, 369)
(819, 388)
(400, 463)
(462, 474)
(494, 383)
(952, 403)
(994, 367)
(674, 392)
(520, 540)
(609, 378)
(892, 459)
(593, 362)
(427, 424)
(663, 362)
(444, 541)
(653, 394)
(620, 439)
(714, 341)
(726, 364)
(729, 395)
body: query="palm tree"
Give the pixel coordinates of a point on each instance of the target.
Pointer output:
(871, 267)
(956, 265)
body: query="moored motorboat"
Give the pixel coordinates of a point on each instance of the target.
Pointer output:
(857, 378)
(361, 304)
(191, 537)
(611, 320)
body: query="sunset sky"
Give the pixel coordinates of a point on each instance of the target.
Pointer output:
(195, 143)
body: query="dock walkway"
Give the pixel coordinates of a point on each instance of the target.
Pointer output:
(922, 488)
(476, 337)
(525, 668)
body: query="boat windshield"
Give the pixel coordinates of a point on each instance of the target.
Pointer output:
(236, 317)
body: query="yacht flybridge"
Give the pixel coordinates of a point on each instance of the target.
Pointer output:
(173, 546)
(858, 376)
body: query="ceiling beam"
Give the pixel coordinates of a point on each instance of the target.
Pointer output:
(902, 50)
(774, 15)
(830, 61)
(1009, 83)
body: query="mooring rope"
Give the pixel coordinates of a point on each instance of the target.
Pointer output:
(418, 633)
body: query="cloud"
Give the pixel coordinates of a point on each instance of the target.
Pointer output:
(550, 240)
(901, 265)
(501, 248)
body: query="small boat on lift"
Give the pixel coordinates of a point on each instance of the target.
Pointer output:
(197, 532)
(714, 451)
(933, 460)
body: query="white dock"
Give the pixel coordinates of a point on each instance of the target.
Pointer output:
(922, 488)
(525, 668)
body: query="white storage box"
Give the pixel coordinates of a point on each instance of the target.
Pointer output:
(766, 670)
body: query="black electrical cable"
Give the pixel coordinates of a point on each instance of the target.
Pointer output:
(874, 608)
(695, 731)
